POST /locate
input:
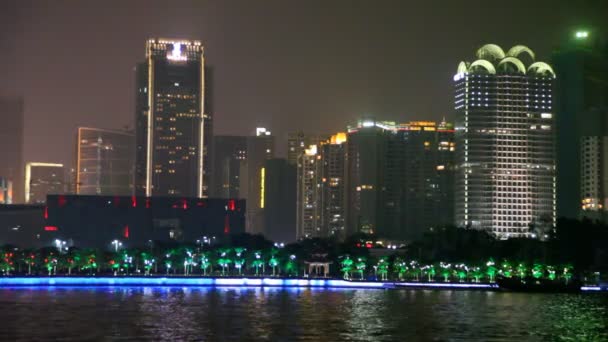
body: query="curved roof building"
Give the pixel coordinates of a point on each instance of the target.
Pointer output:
(505, 133)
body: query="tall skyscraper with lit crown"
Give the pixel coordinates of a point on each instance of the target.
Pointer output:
(173, 123)
(505, 138)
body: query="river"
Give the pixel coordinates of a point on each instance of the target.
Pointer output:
(277, 314)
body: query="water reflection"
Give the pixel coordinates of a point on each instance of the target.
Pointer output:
(274, 314)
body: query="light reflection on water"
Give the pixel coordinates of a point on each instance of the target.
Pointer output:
(274, 314)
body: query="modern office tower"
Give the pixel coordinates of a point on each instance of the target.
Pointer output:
(104, 162)
(173, 124)
(333, 185)
(427, 175)
(505, 136)
(6, 191)
(11, 144)
(368, 189)
(298, 142)
(253, 177)
(42, 179)
(594, 178)
(280, 200)
(399, 178)
(229, 152)
(308, 202)
(581, 65)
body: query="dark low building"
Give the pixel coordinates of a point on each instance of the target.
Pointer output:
(22, 225)
(96, 221)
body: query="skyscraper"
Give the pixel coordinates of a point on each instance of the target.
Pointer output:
(253, 177)
(333, 185)
(298, 142)
(229, 152)
(280, 199)
(308, 202)
(594, 178)
(104, 162)
(505, 137)
(581, 65)
(427, 176)
(173, 124)
(42, 179)
(11, 145)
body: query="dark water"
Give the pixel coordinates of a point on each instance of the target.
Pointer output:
(229, 314)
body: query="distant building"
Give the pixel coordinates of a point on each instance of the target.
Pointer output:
(229, 153)
(428, 151)
(6, 191)
(333, 185)
(594, 177)
(11, 144)
(42, 179)
(253, 177)
(505, 135)
(298, 142)
(399, 178)
(280, 199)
(309, 205)
(581, 65)
(173, 122)
(104, 162)
(96, 221)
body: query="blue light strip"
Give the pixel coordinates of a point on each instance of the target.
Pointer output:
(177, 281)
(448, 285)
(241, 282)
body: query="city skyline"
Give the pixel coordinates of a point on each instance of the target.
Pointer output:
(364, 67)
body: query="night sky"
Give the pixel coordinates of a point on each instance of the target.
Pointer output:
(286, 65)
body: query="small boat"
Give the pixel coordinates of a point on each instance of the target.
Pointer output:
(530, 284)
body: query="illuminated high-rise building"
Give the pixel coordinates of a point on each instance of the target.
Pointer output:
(252, 178)
(104, 162)
(6, 191)
(298, 142)
(229, 153)
(173, 122)
(594, 178)
(505, 138)
(11, 145)
(333, 185)
(581, 65)
(399, 178)
(42, 179)
(308, 200)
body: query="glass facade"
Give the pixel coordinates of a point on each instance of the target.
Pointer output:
(42, 179)
(173, 126)
(104, 162)
(506, 143)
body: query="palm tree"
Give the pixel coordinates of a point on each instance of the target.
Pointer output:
(382, 268)
(360, 266)
(205, 262)
(347, 267)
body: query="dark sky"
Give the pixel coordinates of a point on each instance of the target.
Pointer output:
(312, 65)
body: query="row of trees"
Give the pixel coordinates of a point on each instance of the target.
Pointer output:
(273, 261)
(446, 254)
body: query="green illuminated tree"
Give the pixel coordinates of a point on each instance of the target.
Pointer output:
(273, 262)
(491, 270)
(346, 265)
(258, 261)
(400, 267)
(205, 262)
(382, 267)
(567, 272)
(522, 270)
(537, 270)
(291, 266)
(360, 266)
(462, 272)
(224, 260)
(415, 270)
(477, 274)
(551, 272)
(506, 269)
(239, 259)
(446, 271)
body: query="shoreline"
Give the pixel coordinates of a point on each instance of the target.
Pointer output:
(153, 281)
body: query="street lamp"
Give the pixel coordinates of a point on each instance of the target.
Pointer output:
(117, 244)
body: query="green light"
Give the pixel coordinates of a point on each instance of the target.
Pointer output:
(582, 34)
